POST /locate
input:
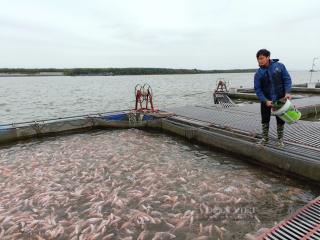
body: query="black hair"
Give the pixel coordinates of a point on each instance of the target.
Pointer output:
(263, 52)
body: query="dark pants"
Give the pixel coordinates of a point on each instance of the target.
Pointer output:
(266, 113)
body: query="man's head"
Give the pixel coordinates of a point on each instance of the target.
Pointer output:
(263, 57)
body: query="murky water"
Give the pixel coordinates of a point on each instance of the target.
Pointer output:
(132, 184)
(315, 118)
(36, 98)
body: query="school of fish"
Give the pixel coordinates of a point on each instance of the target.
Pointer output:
(132, 184)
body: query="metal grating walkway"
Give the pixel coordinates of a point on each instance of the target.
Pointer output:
(302, 135)
(303, 224)
(223, 99)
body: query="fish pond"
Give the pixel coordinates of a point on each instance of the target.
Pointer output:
(134, 184)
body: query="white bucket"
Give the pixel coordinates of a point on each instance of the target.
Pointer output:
(288, 113)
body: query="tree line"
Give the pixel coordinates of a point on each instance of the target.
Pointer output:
(116, 71)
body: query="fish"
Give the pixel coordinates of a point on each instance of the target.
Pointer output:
(91, 187)
(163, 236)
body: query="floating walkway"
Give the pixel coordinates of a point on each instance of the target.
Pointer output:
(116, 119)
(303, 224)
(237, 130)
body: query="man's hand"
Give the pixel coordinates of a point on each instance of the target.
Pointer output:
(269, 103)
(288, 96)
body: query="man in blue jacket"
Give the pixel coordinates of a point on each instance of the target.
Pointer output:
(271, 83)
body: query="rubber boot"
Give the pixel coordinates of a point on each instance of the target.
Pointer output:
(265, 134)
(280, 132)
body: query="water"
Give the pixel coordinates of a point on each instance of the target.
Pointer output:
(36, 98)
(315, 118)
(129, 183)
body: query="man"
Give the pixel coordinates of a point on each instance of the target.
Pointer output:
(271, 83)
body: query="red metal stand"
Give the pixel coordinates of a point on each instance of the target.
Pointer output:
(143, 94)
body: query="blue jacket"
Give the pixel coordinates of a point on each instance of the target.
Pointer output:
(273, 82)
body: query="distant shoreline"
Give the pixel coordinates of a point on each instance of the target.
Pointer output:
(45, 72)
(29, 75)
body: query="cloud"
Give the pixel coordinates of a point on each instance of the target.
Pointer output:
(202, 34)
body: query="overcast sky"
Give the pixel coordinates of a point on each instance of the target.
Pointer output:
(203, 34)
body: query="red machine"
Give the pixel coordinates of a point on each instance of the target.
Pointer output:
(143, 98)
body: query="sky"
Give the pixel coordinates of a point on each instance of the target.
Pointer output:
(202, 34)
